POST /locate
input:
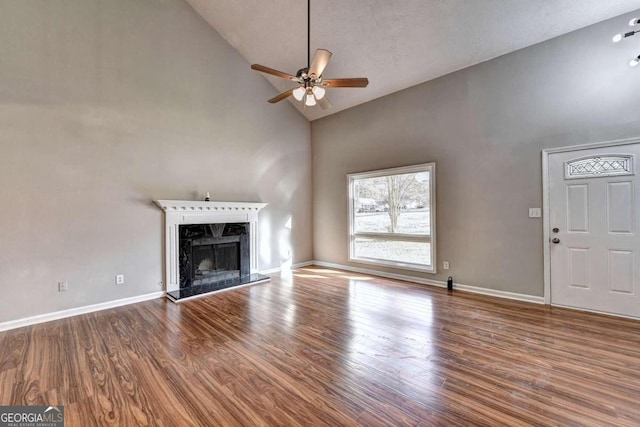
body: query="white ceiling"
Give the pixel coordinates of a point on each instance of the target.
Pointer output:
(395, 43)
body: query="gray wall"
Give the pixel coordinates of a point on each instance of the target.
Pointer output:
(106, 105)
(485, 127)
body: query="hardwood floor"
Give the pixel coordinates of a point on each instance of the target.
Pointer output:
(327, 347)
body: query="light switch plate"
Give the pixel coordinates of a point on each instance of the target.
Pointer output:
(535, 212)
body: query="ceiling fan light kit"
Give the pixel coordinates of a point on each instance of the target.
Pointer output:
(620, 36)
(299, 93)
(310, 100)
(311, 84)
(318, 91)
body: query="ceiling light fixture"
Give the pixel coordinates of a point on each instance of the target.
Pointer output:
(311, 83)
(298, 93)
(310, 101)
(619, 37)
(318, 91)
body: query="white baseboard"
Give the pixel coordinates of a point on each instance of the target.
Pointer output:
(500, 294)
(438, 283)
(302, 264)
(41, 318)
(292, 267)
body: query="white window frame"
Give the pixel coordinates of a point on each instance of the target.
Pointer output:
(424, 167)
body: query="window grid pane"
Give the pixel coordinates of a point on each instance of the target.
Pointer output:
(418, 253)
(393, 204)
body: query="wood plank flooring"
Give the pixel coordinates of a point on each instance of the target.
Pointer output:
(325, 347)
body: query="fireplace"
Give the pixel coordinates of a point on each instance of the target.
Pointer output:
(211, 253)
(209, 246)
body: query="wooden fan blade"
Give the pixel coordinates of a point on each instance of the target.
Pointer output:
(282, 96)
(324, 103)
(354, 82)
(273, 72)
(318, 64)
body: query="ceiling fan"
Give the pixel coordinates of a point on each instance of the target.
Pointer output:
(311, 84)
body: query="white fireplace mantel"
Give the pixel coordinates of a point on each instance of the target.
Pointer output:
(199, 206)
(180, 212)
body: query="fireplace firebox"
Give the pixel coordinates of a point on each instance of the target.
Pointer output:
(211, 253)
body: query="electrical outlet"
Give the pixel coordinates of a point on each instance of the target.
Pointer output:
(445, 265)
(120, 279)
(535, 212)
(63, 286)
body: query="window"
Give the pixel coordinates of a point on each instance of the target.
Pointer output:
(586, 167)
(392, 217)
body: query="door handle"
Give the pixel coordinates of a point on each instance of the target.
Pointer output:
(555, 240)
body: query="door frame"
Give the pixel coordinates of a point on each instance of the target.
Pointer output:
(545, 199)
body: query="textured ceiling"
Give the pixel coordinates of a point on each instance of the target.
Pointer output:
(395, 43)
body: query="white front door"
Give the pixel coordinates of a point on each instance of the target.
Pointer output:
(594, 202)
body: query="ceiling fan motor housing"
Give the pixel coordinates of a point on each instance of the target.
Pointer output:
(306, 80)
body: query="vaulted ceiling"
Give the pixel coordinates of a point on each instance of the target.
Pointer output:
(395, 43)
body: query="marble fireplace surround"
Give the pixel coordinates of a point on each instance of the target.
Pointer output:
(182, 212)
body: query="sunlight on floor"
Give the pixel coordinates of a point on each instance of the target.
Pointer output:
(322, 270)
(357, 277)
(311, 276)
